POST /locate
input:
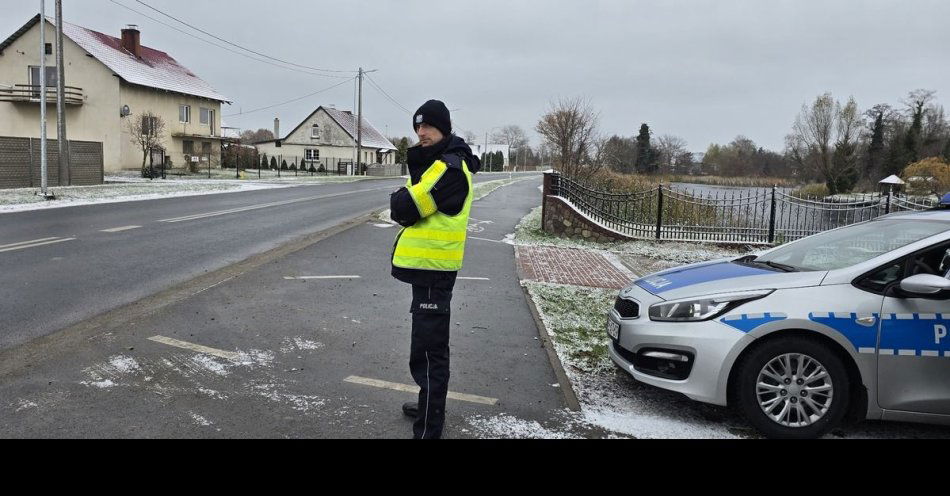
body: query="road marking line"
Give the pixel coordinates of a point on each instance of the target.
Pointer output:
(120, 229)
(470, 398)
(34, 245)
(26, 242)
(474, 278)
(264, 205)
(304, 278)
(229, 355)
(486, 239)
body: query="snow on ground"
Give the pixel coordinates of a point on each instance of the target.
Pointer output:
(23, 199)
(124, 187)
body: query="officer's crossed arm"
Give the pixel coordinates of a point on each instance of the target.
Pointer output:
(441, 188)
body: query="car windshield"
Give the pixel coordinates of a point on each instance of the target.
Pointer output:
(852, 245)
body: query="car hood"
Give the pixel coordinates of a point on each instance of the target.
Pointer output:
(721, 276)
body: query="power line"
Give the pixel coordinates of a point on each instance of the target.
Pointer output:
(224, 47)
(239, 46)
(291, 101)
(387, 95)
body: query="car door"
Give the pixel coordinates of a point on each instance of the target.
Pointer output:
(914, 342)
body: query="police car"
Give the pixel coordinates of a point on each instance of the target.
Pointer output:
(850, 322)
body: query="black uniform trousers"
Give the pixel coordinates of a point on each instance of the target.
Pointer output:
(429, 355)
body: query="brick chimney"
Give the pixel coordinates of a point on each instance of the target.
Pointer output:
(131, 40)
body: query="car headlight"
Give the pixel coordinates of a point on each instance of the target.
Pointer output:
(699, 309)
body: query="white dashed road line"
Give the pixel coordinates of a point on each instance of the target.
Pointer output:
(228, 355)
(305, 278)
(395, 386)
(474, 278)
(120, 229)
(33, 244)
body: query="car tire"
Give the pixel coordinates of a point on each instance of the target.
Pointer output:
(799, 407)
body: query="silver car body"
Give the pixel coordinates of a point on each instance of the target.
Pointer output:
(900, 347)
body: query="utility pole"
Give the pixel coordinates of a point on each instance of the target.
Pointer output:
(359, 126)
(43, 178)
(359, 122)
(65, 172)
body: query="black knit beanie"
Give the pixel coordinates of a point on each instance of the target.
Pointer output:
(435, 114)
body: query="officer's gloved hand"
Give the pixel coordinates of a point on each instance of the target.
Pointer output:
(402, 209)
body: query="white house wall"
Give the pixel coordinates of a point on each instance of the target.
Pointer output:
(97, 119)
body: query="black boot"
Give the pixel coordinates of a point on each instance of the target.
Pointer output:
(410, 409)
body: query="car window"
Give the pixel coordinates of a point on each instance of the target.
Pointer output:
(934, 261)
(854, 244)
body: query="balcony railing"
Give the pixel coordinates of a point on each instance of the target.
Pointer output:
(31, 94)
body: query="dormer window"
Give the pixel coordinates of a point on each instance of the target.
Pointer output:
(315, 132)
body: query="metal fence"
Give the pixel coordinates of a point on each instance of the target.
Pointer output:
(762, 216)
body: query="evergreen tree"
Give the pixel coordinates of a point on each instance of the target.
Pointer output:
(263, 164)
(912, 140)
(875, 160)
(402, 150)
(646, 156)
(283, 165)
(273, 163)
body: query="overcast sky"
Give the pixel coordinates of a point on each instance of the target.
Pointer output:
(702, 70)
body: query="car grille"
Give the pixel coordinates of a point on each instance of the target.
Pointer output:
(627, 309)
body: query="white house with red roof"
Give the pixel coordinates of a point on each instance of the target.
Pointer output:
(327, 137)
(110, 82)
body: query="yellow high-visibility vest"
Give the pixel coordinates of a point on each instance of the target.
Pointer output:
(437, 241)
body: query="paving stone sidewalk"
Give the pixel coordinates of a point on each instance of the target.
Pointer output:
(572, 266)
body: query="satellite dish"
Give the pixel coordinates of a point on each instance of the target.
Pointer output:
(125, 111)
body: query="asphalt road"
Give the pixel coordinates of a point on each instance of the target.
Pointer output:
(311, 344)
(63, 266)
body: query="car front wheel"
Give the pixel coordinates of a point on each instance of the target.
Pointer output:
(793, 388)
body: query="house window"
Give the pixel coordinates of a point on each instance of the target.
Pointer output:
(149, 125)
(184, 113)
(312, 154)
(49, 49)
(207, 115)
(51, 79)
(315, 132)
(206, 148)
(188, 147)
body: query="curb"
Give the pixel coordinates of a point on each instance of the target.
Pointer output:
(567, 388)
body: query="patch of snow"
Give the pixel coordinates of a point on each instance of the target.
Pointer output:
(24, 405)
(105, 384)
(199, 420)
(212, 393)
(509, 427)
(72, 196)
(255, 358)
(124, 364)
(210, 364)
(291, 345)
(300, 403)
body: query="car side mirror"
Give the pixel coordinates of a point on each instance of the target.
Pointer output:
(925, 285)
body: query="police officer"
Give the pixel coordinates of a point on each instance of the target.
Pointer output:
(433, 209)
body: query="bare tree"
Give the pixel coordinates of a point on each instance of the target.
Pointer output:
(469, 137)
(823, 141)
(669, 147)
(252, 137)
(146, 133)
(513, 136)
(570, 127)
